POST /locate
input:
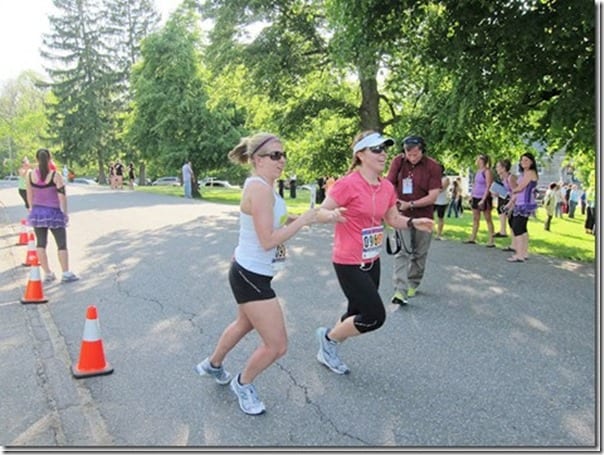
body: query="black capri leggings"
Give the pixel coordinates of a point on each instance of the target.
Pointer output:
(518, 224)
(59, 234)
(361, 289)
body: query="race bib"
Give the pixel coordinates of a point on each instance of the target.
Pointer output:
(373, 238)
(279, 259)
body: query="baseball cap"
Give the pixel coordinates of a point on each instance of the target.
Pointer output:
(414, 140)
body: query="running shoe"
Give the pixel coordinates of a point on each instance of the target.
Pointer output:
(220, 375)
(247, 396)
(328, 354)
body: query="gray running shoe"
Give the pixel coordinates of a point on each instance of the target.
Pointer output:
(49, 278)
(68, 277)
(247, 396)
(328, 354)
(220, 375)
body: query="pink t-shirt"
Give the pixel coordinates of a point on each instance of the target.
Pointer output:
(359, 239)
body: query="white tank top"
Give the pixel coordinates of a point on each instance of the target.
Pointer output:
(249, 253)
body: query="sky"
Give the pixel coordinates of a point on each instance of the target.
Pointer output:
(22, 24)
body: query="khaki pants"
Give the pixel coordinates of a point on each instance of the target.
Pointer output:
(409, 267)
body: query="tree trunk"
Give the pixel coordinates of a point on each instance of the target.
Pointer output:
(369, 111)
(142, 178)
(102, 178)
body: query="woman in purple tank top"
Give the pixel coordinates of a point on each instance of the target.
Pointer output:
(48, 210)
(482, 201)
(522, 205)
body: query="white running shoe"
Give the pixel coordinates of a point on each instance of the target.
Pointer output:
(247, 396)
(328, 353)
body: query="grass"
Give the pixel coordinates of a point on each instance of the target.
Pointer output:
(566, 240)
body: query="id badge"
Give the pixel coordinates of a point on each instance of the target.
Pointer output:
(373, 238)
(407, 186)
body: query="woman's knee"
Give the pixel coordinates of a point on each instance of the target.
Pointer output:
(278, 347)
(369, 322)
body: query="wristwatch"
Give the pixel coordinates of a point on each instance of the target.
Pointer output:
(410, 223)
(412, 205)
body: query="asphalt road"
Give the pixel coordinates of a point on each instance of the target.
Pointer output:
(488, 355)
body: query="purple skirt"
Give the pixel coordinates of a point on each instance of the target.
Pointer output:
(48, 217)
(525, 210)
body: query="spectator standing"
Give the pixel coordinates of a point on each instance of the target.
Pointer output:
(523, 204)
(582, 201)
(508, 180)
(328, 184)
(48, 211)
(482, 201)
(131, 175)
(187, 176)
(292, 186)
(590, 219)
(559, 200)
(417, 180)
(21, 183)
(573, 200)
(441, 203)
(549, 204)
(112, 176)
(566, 193)
(455, 193)
(119, 175)
(263, 228)
(368, 200)
(460, 198)
(320, 190)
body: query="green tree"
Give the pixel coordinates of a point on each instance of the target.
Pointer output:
(22, 119)
(524, 67)
(171, 120)
(128, 23)
(82, 81)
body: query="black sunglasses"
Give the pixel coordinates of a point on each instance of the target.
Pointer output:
(276, 155)
(377, 149)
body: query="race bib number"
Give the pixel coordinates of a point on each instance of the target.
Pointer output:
(373, 238)
(407, 186)
(280, 256)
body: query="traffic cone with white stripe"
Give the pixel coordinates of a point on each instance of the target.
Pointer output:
(23, 234)
(92, 357)
(31, 257)
(34, 292)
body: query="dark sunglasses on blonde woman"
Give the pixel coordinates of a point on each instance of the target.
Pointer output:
(377, 149)
(275, 156)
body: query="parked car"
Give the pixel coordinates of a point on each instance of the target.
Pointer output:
(11, 178)
(166, 181)
(84, 181)
(210, 182)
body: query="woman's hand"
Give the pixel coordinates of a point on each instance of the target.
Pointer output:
(423, 224)
(330, 216)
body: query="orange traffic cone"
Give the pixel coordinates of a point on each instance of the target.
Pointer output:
(32, 254)
(23, 234)
(34, 292)
(92, 358)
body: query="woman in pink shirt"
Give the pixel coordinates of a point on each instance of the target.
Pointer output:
(369, 200)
